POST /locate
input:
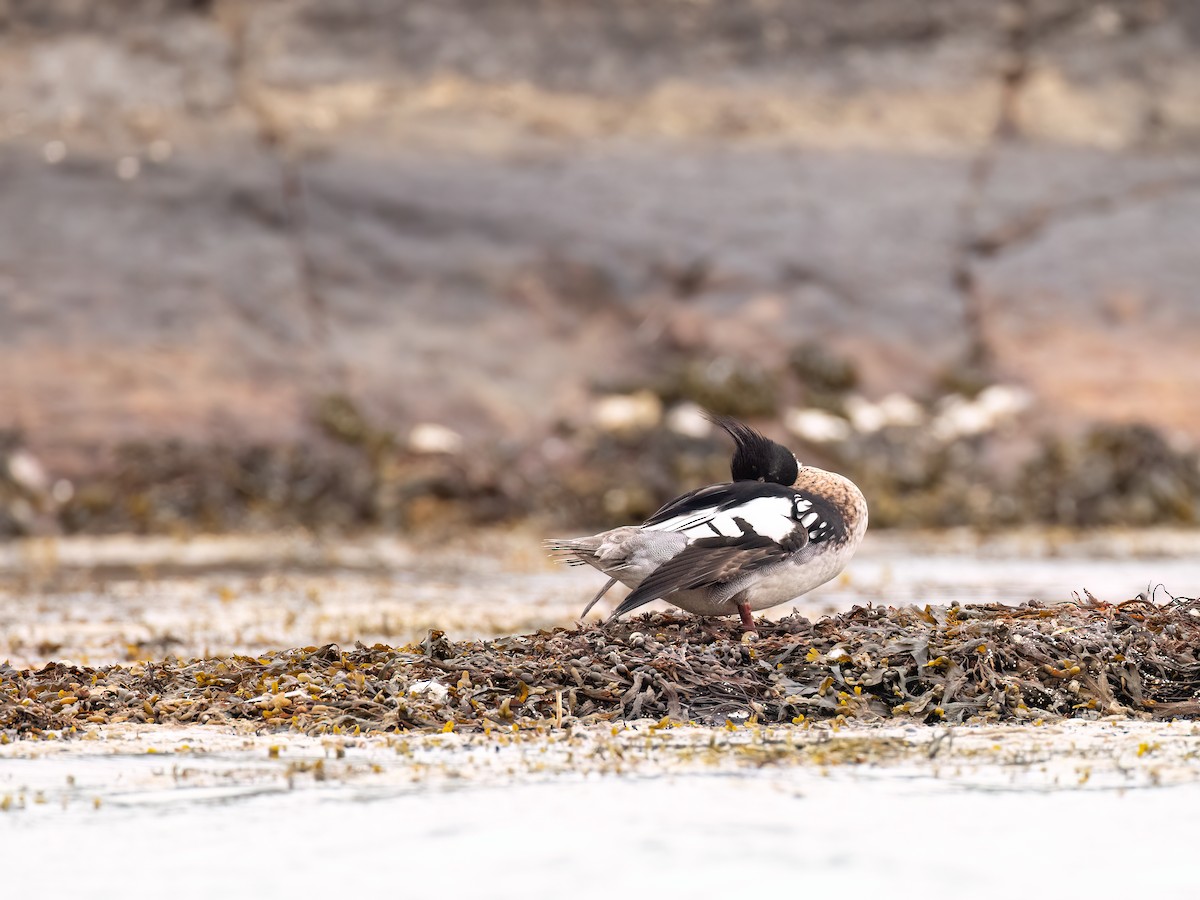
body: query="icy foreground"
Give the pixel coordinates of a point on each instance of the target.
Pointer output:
(1084, 805)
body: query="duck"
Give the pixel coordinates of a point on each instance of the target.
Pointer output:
(775, 531)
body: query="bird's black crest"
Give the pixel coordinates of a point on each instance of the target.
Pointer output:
(757, 457)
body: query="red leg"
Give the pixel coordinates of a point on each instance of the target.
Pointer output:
(747, 619)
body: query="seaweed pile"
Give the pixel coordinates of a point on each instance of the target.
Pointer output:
(977, 663)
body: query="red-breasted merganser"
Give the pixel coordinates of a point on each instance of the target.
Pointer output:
(777, 531)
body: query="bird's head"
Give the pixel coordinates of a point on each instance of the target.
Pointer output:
(757, 457)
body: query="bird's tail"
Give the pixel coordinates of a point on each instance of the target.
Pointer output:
(573, 551)
(579, 552)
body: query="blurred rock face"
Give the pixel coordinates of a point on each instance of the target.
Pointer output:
(476, 216)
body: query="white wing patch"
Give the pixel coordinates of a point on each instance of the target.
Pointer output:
(769, 516)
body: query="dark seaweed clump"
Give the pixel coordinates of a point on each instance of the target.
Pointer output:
(987, 663)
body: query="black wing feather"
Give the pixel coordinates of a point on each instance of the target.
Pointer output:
(712, 561)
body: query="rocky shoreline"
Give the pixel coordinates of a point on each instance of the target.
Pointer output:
(957, 461)
(270, 263)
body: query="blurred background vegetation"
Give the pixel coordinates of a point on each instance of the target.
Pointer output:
(432, 264)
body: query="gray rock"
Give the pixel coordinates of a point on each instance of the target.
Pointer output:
(218, 213)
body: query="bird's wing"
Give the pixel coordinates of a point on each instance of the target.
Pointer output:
(768, 508)
(690, 501)
(710, 561)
